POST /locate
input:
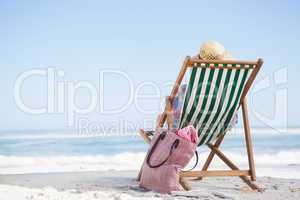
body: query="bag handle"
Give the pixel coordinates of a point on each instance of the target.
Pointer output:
(161, 137)
(196, 163)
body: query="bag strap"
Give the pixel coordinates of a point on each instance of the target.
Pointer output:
(161, 137)
(196, 163)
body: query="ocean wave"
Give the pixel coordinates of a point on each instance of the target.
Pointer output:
(281, 164)
(63, 136)
(77, 134)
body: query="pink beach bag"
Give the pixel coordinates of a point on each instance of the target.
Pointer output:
(168, 154)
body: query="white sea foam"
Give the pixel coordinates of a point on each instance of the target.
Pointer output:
(63, 135)
(284, 164)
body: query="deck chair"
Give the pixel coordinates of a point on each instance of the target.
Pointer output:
(215, 92)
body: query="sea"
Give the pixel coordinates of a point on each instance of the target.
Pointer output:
(276, 152)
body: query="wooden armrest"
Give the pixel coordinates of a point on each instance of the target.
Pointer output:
(150, 133)
(145, 136)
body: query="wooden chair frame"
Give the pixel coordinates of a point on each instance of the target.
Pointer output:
(235, 171)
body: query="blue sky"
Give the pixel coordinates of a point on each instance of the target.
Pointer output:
(147, 41)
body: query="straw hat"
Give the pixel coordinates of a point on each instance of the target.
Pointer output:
(213, 50)
(227, 56)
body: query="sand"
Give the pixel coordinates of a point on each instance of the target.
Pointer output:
(121, 185)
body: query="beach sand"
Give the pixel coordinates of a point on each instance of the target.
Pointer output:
(120, 185)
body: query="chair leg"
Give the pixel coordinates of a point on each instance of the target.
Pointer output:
(211, 155)
(140, 174)
(147, 139)
(185, 185)
(248, 140)
(234, 167)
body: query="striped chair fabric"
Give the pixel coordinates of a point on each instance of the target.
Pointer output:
(213, 97)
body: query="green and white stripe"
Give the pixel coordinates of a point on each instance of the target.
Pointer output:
(212, 98)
